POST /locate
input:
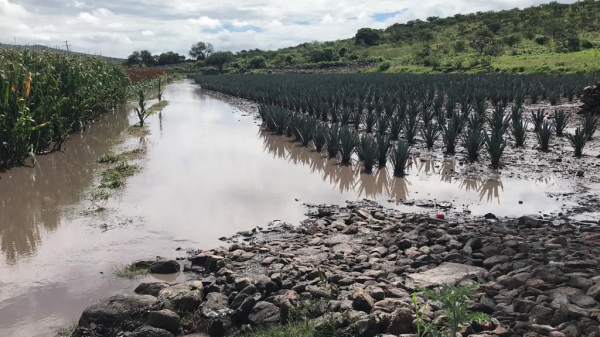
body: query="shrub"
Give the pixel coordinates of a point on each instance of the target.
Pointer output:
(368, 36)
(383, 66)
(460, 46)
(542, 40)
(586, 44)
(257, 62)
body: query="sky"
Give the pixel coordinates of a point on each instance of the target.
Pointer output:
(118, 27)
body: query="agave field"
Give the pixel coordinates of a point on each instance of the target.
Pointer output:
(44, 97)
(379, 117)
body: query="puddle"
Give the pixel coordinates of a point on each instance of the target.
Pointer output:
(209, 172)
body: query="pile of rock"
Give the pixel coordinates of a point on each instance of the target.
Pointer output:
(356, 268)
(591, 99)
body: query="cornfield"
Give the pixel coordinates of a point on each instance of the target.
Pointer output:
(461, 109)
(44, 97)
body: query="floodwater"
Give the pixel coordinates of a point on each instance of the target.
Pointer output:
(209, 172)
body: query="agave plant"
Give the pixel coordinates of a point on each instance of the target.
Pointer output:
(560, 122)
(498, 119)
(348, 143)
(590, 124)
(473, 141)
(400, 157)
(544, 135)
(383, 149)
(396, 125)
(578, 141)
(430, 133)
(519, 131)
(367, 152)
(410, 126)
(320, 137)
(383, 123)
(306, 126)
(538, 118)
(495, 145)
(370, 119)
(333, 140)
(451, 132)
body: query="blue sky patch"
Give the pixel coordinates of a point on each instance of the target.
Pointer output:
(379, 17)
(235, 29)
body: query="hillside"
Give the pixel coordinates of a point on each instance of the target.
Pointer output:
(554, 37)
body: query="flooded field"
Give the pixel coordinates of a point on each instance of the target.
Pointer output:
(209, 172)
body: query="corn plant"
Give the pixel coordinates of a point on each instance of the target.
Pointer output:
(160, 92)
(454, 303)
(367, 152)
(400, 157)
(578, 141)
(332, 138)
(348, 143)
(473, 140)
(544, 136)
(560, 122)
(141, 110)
(495, 145)
(590, 124)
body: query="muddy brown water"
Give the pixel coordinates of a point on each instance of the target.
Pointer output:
(209, 172)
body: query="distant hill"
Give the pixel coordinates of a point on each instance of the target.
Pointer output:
(553, 37)
(55, 50)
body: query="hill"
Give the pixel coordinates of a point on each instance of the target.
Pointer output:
(550, 38)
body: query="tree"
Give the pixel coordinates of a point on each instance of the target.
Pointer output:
(170, 58)
(258, 62)
(425, 35)
(201, 50)
(135, 59)
(512, 40)
(147, 58)
(486, 45)
(368, 36)
(219, 59)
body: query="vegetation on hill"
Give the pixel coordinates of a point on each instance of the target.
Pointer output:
(554, 37)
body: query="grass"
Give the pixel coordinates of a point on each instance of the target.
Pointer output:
(116, 176)
(130, 272)
(66, 331)
(298, 329)
(109, 158)
(100, 195)
(138, 131)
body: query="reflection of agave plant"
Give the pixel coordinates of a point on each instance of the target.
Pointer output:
(348, 142)
(367, 152)
(333, 140)
(400, 157)
(578, 141)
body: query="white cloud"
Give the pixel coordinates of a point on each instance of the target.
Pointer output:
(206, 22)
(119, 27)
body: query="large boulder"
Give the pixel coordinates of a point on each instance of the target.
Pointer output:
(185, 297)
(264, 314)
(151, 288)
(446, 273)
(116, 311)
(164, 319)
(164, 267)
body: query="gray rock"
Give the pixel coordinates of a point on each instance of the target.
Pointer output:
(362, 301)
(594, 291)
(264, 314)
(401, 322)
(148, 331)
(584, 301)
(494, 260)
(446, 273)
(541, 315)
(164, 319)
(151, 288)
(164, 267)
(116, 310)
(185, 296)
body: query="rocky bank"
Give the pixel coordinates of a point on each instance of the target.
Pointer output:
(357, 267)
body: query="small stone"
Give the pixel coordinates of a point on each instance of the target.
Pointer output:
(362, 301)
(164, 319)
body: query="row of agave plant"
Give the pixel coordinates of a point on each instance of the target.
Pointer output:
(44, 97)
(474, 130)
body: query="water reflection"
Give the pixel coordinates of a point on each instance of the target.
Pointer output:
(32, 199)
(381, 184)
